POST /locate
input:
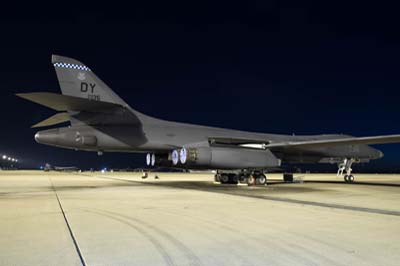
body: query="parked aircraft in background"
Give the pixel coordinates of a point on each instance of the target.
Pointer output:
(49, 167)
(102, 122)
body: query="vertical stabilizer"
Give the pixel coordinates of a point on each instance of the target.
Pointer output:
(78, 80)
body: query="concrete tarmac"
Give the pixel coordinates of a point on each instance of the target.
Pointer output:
(185, 219)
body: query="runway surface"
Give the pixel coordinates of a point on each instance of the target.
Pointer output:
(185, 219)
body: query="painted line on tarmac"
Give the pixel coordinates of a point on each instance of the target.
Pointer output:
(78, 250)
(271, 198)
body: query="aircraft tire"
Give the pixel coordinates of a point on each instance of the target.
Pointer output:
(224, 179)
(251, 180)
(242, 178)
(233, 178)
(261, 179)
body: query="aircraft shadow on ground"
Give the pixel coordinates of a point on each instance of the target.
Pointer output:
(230, 188)
(264, 193)
(356, 183)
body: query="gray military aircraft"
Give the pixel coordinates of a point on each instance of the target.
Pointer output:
(48, 167)
(101, 121)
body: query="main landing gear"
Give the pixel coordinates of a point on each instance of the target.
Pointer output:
(346, 166)
(251, 179)
(226, 178)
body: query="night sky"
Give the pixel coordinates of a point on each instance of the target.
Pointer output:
(303, 67)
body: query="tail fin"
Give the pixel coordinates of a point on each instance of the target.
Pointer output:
(78, 80)
(86, 99)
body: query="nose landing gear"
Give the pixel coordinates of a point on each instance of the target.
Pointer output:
(346, 166)
(349, 178)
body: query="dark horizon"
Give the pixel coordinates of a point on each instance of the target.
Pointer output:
(301, 68)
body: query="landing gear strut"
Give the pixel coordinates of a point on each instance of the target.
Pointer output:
(346, 166)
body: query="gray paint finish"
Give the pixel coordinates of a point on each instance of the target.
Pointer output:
(102, 121)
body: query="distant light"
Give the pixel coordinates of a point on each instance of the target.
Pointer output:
(12, 159)
(9, 158)
(41, 167)
(4, 157)
(103, 170)
(16, 160)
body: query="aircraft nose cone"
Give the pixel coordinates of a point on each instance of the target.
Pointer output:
(377, 154)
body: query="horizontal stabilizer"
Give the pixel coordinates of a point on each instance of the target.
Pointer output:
(61, 102)
(53, 120)
(336, 142)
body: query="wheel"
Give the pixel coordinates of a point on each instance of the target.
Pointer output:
(346, 178)
(233, 178)
(217, 178)
(261, 179)
(350, 178)
(242, 178)
(251, 180)
(224, 178)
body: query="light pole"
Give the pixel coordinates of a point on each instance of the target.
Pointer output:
(7, 162)
(4, 161)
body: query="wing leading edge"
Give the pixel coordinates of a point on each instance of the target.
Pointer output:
(270, 144)
(336, 142)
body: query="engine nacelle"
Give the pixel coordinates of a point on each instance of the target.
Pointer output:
(85, 140)
(67, 137)
(227, 158)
